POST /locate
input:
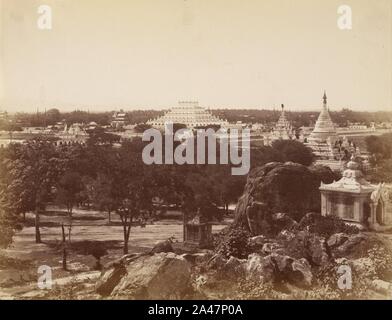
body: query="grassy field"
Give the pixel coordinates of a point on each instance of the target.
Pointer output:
(19, 263)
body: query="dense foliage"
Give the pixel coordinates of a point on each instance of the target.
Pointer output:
(380, 148)
(234, 242)
(325, 226)
(109, 177)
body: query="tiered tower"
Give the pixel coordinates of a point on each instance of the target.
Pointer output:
(188, 113)
(283, 129)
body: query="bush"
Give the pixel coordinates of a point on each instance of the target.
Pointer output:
(95, 248)
(7, 229)
(326, 287)
(325, 226)
(382, 260)
(233, 242)
(6, 233)
(248, 290)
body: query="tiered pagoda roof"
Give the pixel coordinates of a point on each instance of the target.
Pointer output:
(188, 113)
(283, 129)
(352, 180)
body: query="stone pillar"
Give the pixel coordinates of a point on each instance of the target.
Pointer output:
(372, 218)
(358, 214)
(323, 204)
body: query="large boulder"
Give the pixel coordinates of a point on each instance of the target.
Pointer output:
(302, 273)
(230, 268)
(260, 269)
(257, 241)
(337, 239)
(310, 246)
(110, 278)
(217, 262)
(158, 276)
(272, 247)
(382, 286)
(279, 187)
(276, 267)
(350, 245)
(234, 267)
(318, 250)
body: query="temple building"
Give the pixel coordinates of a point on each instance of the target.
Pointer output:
(323, 140)
(323, 136)
(118, 119)
(190, 114)
(74, 134)
(355, 200)
(282, 129)
(3, 115)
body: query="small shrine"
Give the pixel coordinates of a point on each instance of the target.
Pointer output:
(198, 232)
(354, 199)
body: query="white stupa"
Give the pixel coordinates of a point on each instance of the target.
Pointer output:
(324, 128)
(323, 136)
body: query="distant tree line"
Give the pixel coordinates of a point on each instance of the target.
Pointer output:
(302, 118)
(53, 116)
(298, 118)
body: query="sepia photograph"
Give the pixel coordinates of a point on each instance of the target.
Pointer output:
(187, 150)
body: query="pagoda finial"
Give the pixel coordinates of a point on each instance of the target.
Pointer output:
(325, 98)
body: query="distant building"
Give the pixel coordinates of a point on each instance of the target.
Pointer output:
(190, 114)
(92, 125)
(355, 129)
(3, 115)
(74, 134)
(118, 119)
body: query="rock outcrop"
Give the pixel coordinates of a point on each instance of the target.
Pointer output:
(279, 187)
(157, 276)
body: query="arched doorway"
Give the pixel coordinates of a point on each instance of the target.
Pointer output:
(379, 212)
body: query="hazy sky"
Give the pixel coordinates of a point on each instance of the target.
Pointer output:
(108, 54)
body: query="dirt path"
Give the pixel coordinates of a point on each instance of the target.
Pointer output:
(21, 280)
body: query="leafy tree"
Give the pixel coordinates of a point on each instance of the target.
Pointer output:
(99, 192)
(380, 147)
(383, 172)
(294, 151)
(52, 116)
(98, 136)
(141, 127)
(265, 154)
(33, 170)
(69, 190)
(8, 224)
(129, 188)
